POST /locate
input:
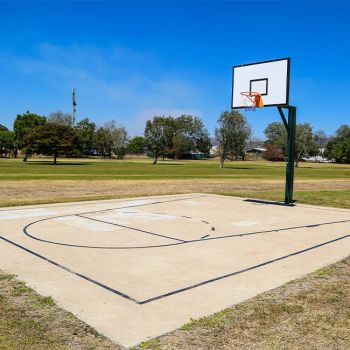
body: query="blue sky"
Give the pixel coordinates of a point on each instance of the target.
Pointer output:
(130, 61)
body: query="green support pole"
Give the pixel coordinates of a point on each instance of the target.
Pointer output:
(291, 155)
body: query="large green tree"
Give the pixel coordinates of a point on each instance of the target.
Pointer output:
(277, 135)
(305, 143)
(136, 145)
(157, 136)
(7, 138)
(85, 130)
(3, 128)
(111, 139)
(51, 139)
(189, 136)
(305, 140)
(119, 137)
(232, 134)
(103, 142)
(338, 148)
(22, 125)
(176, 137)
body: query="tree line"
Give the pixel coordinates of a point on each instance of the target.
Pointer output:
(56, 136)
(164, 137)
(308, 143)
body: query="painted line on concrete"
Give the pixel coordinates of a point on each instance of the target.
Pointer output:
(144, 204)
(121, 294)
(241, 271)
(89, 202)
(131, 228)
(25, 231)
(177, 291)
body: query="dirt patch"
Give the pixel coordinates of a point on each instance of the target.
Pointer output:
(31, 192)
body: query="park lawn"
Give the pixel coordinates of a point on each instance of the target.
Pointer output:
(39, 181)
(327, 198)
(83, 169)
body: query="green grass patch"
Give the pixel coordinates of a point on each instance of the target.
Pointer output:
(207, 322)
(327, 271)
(153, 344)
(16, 169)
(328, 198)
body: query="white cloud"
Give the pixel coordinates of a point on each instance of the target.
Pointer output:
(118, 81)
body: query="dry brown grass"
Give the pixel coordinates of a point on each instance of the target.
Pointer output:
(40, 191)
(311, 313)
(29, 321)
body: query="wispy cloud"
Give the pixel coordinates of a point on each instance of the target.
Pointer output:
(121, 83)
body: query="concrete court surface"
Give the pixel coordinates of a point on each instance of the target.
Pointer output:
(138, 268)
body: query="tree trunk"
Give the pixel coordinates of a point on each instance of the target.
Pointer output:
(222, 160)
(155, 159)
(25, 157)
(55, 158)
(297, 160)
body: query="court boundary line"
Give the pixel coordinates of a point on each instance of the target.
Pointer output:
(204, 194)
(168, 294)
(177, 291)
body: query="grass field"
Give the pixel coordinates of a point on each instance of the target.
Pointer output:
(143, 169)
(39, 181)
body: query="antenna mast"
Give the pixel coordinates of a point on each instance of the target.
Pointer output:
(74, 104)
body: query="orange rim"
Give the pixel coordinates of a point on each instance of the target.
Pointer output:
(250, 94)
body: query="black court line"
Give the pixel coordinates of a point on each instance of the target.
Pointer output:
(123, 295)
(64, 204)
(177, 291)
(25, 231)
(142, 204)
(72, 204)
(241, 271)
(131, 228)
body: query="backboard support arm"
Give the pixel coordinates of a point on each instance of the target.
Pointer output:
(280, 110)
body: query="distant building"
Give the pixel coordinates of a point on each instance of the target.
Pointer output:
(256, 150)
(320, 158)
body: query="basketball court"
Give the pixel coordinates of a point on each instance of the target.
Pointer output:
(138, 268)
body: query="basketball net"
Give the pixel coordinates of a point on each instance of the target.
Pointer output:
(252, 100)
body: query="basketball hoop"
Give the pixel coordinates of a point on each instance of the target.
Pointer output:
(252, 100)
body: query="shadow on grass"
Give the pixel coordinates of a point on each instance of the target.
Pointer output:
(237, 168)
(48, 162)
(168, 164)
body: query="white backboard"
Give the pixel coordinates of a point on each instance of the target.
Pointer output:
(269, 78)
